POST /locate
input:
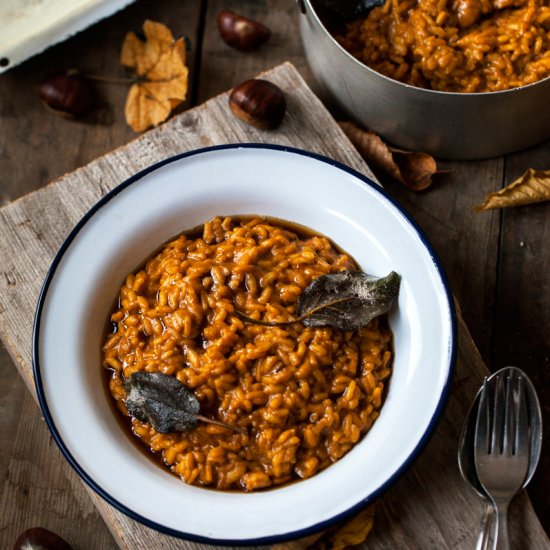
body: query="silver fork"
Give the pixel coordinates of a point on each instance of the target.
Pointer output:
(502, 445)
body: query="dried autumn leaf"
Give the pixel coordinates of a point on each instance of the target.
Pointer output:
(532, 187)
(355, 531)
(346, 535)
(413, 169)
(159, 63)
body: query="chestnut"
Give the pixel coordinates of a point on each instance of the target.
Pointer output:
(38, 538)
(67, 93)
(240, 32)
(259, 103)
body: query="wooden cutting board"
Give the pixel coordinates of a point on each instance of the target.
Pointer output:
(430, 506)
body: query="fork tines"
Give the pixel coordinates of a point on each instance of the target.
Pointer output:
(504, 423)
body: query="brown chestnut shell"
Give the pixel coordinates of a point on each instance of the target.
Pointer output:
(259, 103)
(240, 32)
(66, 93)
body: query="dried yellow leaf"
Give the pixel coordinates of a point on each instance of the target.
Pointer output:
(532, 187)
(355, 531)
(348, 534)
(159, 63)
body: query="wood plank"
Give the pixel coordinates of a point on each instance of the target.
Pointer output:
(38, 488)
(111, 130)
(522, 335)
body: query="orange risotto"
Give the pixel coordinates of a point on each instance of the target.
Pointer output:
(455, 45)
(302, 396)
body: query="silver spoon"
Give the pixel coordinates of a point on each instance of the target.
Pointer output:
(466, 453)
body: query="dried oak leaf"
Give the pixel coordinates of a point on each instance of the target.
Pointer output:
(159, 63)
(532, 187)
(413, 169)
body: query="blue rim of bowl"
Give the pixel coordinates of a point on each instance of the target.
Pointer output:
(270, 539)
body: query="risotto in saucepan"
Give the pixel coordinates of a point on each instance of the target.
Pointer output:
(455, 45)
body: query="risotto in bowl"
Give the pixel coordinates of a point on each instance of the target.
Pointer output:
(237, 332)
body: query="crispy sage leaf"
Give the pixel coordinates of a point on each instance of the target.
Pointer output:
(164, 402)
(347, 300)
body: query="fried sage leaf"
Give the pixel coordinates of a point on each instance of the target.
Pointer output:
(346, 301)
(164, 402)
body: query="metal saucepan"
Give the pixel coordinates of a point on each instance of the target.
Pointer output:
(447, 125)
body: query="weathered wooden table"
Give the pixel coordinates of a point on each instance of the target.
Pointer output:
(497, 262)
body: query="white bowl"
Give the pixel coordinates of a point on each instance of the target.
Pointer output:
(131, 222)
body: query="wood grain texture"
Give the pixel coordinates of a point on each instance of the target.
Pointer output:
(497, 263)
(40, 490)
(522, 312)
